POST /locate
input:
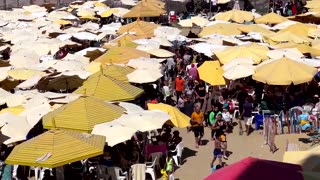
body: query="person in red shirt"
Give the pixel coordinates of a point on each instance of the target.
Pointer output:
(179, 86)
(294, 8)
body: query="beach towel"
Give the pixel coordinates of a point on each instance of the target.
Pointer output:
(139, 171)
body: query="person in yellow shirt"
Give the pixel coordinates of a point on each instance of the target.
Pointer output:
(197, 119)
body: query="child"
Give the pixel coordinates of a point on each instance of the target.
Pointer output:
(167, 172)
(217, 153)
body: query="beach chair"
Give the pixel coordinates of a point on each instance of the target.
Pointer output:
(116, 173)
(156, 157)
(177, 157)
(151, 168)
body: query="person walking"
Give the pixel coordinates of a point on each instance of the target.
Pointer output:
(197, 119)
(179, 86)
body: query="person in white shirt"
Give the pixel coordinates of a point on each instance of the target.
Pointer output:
(227, 117)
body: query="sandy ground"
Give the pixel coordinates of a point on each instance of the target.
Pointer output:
(197, 161)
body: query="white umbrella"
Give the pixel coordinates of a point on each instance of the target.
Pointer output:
(310, 62)
(291, 53)
(237, 61)
(85, 36)
(207, 48)
(114, 133)
(185, 23)
(130, 107)
(144, 121)
(162, 53)
(15, 127)
(165, 31)
(284, 25)
(141, 63)
(162, 41)
(144, 76)
(239, 71)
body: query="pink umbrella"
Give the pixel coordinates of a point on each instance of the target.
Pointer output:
(258, 169)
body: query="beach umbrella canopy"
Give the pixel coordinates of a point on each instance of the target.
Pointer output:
(120, 55)
(114, 133)
(117, 72)
(303, 48)
(287, 36)
(257, 52)
(299, 29)
(177, 118)
(14, 127)
(24, 74)
(130, 107)
(237, 61)
(82, 114)
(58, 83)
(227, 29)
(55, 148)
(314, 4)
(142, 76)
(139, 28)
(145, 9)
(254, 28)
(186, 23)
(271, 18)
(144, 63)
(291, 53)
(253, 168)
(237, 16)
(211, 72)
(284, 71)
(239, 71)
(161, 53)
(16, 110)
(109, 89)
(144, 121)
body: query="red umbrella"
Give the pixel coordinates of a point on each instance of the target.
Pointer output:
(258, 169)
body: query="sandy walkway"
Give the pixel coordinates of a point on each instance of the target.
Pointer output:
(197, 161)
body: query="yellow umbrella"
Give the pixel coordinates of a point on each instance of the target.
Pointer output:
(284, 71)
(313, 4)
(316, 44)
(315, 33)
(145, 9)
(117, 72)
(109, 89)
(141, 28)
(227, 29)
(123, 39)
(62, 22)
(237, 16)
(108, 13)
(82, 114)
(100, 4)
(211, 72)
(271, 18)
(257, 52)
(178, 119)
(88, 18)
(254, 28)
(299, 29)
(16, 110)
(287, 36)
(55, 148)
(86, 13)
(157, 3)
(120, 55)
(24, 74)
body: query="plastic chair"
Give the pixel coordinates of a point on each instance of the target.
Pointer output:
(151, 169)
(101, 171)
(177, 157)
(117, 174)
(36, 172)
(258, 120)
(157, 157)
